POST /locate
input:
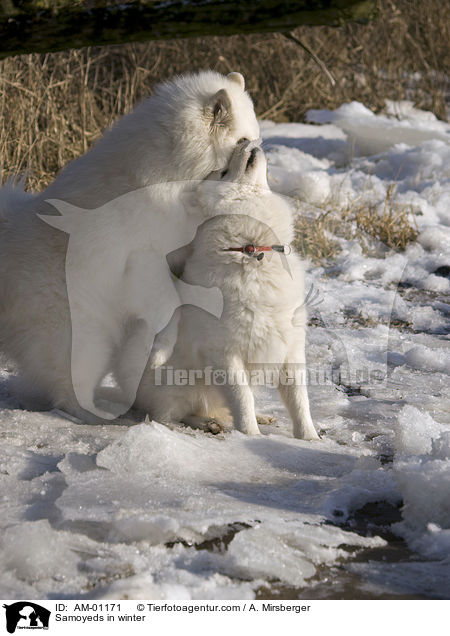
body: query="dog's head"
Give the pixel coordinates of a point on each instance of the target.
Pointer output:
(212, 258)
(230, 118)
(204, 115)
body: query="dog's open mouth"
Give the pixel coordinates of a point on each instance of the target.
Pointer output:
(251, 159)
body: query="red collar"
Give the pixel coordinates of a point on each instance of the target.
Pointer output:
(258, 250)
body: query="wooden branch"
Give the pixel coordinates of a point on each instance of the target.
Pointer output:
(28, 26)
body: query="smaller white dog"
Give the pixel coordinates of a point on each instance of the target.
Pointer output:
(241, 250)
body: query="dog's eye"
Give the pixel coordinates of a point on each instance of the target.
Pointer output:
(242, 139)
(224, 172)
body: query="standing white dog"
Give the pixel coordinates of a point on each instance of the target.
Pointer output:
(243, 251)
(186, 130)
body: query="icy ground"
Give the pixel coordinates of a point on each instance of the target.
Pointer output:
(149, 512)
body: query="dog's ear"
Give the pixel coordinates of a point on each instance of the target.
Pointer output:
(219, 108)
(238, 78)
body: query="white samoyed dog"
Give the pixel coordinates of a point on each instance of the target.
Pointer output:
(243, 249)
(186, 130)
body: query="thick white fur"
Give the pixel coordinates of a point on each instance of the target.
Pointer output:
(173, 136)
(187, 129)
(264, 320)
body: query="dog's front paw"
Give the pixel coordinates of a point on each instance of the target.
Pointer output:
(214, 427)
(206, 424)
(309, 435)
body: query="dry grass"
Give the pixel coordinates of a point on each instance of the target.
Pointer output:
(377, 228)
(315, 236)
(393, 225)
(52, 107)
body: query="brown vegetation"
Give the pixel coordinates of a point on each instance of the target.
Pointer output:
(54, 106)
(376, 227)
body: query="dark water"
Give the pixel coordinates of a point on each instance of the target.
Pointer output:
(338, 582)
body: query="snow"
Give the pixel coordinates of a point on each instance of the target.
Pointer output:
(140, 510)
(415, 432)
(370, 134)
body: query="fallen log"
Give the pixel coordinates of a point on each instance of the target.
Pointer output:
(28, 26)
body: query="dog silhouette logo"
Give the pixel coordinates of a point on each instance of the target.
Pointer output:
(26, 615)
(121, 291)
